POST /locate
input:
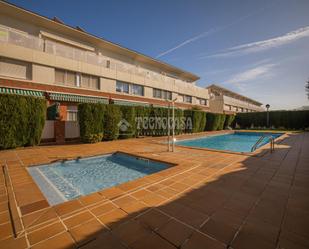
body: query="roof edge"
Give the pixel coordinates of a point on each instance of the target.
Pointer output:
(232, 92)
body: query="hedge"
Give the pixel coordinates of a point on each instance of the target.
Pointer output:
(127, 128)
(91, 121)
(221, 122)
(229, 118)
(277, 119)
(213, 121)
(141, 112)
(22, 120)
(198, 119)
(112, 118)
(128, 121)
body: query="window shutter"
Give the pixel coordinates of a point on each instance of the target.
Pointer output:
(15, 69)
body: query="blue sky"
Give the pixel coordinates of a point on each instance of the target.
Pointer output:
(259, 48)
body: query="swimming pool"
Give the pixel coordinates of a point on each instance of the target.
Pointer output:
(237, 142)
(62, 181)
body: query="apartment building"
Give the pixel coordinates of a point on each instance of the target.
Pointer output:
(45, 57)
(223, 100)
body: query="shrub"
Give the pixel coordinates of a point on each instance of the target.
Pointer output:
(213, 121)
(198, 119)
(229, 118)
(112, 118)
(180, 128)
(127, 128)
(141, 112)
(278, 119)
(91, 118)
(221, 122)
(53, 112)
(22, 120)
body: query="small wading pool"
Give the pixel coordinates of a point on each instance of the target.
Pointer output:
(62, 181)
(236, 142)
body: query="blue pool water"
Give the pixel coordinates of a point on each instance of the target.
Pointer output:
(68, 180)
(237, 142)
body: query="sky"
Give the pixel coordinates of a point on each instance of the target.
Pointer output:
(258, 48)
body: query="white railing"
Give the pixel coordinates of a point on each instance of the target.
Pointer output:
(55, 48)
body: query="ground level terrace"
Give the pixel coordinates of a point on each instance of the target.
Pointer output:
(208, 200)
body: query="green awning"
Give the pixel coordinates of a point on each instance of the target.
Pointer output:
(32, 93)
(129, 103)
(77, 98)
(161, 106)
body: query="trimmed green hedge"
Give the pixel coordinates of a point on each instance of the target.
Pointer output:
(221, 122)
(198, 119)
(132, 121)
(112, 118)
(22, 120)
(292, 120)
(127, 128)
(229, 118)
(213, 121)
(91, 121)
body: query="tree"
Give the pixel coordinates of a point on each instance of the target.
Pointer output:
(307, 88)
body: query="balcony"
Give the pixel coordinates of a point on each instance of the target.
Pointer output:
(240, 103)
(80, 55)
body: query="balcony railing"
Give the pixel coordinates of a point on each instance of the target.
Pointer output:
(239, 103)
(55, 48)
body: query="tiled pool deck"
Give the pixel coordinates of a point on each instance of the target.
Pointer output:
(209, 200)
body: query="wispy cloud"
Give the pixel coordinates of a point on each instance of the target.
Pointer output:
(240, 80)
(213, 31)
(192, 39)
(264, 45)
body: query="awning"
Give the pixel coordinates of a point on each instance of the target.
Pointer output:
(77, 98)
(32, 93)
(161, 106)
(129, 103)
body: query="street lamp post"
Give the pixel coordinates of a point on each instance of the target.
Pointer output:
(173, 125)
(168, 128)
(267, 120)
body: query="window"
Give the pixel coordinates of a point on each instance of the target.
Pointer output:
(94, 83)
(69, 78)
(167, 95)
(85, 81)
(122, 87)
(202, 101)
(188, 99)
(72, 113)
(162, 94)
(157, 93)
(137, 90)
(134, 89)
(15, 68)
(59, 77)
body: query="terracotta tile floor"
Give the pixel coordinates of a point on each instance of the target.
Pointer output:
(208, 199)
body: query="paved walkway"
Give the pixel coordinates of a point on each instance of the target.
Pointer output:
(209, 200)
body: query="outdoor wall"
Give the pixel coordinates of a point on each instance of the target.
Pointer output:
(29, 47)
(48, 131)
(71, 129)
